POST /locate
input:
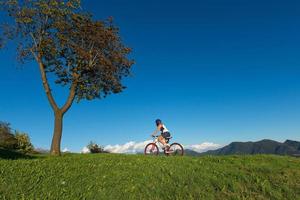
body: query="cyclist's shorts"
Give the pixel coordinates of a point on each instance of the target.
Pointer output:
(165, 134)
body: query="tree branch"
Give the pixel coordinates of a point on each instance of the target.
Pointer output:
(34, 40)
(45, 82)
(72, 94)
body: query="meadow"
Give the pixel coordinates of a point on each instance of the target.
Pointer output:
(116, 176)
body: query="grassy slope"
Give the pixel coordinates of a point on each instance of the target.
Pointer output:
(109, 176)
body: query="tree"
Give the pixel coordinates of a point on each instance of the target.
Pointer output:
(84, 54)
(24, 144)
(7, 139)
(95, 148)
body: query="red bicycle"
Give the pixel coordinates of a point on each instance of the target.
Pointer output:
(152, 148)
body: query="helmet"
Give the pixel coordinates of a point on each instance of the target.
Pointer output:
(158, 121)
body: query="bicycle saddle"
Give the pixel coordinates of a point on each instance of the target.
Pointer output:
(168, 139)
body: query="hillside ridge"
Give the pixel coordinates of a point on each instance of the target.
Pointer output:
(265, 146)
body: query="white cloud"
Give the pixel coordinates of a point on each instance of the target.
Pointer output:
(129, 147)
(205, 146)
(85, 150)
(65, 150)
(138, 147)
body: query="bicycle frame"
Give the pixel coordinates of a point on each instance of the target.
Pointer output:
(155, 141)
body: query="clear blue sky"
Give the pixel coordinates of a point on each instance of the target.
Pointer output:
(213, 70)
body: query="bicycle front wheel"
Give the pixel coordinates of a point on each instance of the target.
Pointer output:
(151, 149)
(175, 149)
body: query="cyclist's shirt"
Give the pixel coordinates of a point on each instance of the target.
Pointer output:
(163, 129)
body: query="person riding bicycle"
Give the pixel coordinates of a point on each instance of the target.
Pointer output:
(160, 127)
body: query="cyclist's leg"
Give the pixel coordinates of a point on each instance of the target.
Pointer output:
(162, 140)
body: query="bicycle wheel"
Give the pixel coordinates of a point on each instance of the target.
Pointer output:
(151, 149)
(175, 150)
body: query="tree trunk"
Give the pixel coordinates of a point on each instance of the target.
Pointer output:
(58, 125)
(58, 112)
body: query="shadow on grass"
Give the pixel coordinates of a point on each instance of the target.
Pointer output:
(13, 155)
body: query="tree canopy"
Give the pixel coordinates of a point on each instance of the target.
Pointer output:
(84, 54)
(7, 139)
(79, 50)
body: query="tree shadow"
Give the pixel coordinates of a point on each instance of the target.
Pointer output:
(13, 155)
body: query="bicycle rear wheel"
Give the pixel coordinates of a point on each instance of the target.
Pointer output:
(151, 149)
(175, 149)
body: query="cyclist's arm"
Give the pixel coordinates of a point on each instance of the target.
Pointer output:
(156, 131)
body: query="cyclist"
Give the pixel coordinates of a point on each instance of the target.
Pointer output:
(160, 127)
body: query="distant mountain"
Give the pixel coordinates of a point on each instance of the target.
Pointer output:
(294, 144)
(289, 147)
(190, 152)
(41, 150)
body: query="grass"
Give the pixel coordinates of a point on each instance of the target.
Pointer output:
(112, 176)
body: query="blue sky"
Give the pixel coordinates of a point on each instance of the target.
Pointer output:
(213, 70)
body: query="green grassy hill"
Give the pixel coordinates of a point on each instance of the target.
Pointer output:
(111, 176)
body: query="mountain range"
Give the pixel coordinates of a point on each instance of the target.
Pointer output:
(289, 147)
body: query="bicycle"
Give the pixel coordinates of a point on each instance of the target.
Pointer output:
(152, 148)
